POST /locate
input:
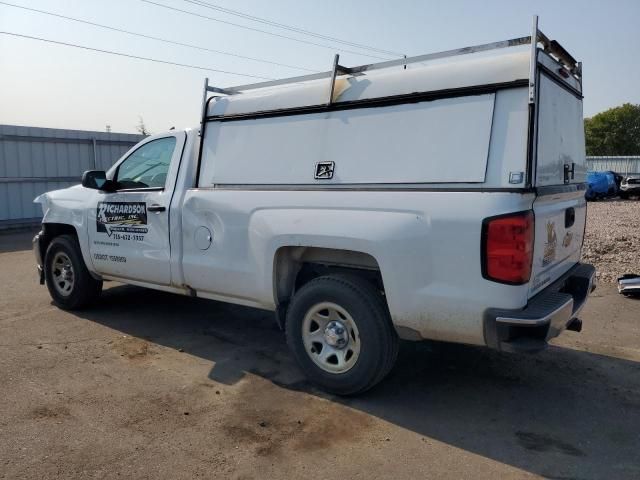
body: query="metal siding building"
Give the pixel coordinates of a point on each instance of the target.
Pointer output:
(621, 165)
(35, 160)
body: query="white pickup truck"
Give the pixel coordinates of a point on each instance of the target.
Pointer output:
(436, 197)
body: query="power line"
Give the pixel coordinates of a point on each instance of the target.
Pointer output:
(198, 67)
(290, 27)
(260, 31)
(155, 38)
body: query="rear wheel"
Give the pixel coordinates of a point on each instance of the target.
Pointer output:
(70, 284)
(338, 328)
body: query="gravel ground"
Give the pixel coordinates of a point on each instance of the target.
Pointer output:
(612, 241)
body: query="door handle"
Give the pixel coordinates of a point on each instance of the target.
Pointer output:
(156, 208)
(569, 172)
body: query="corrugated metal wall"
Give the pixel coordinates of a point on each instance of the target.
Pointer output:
(35, 160)
(621, 165)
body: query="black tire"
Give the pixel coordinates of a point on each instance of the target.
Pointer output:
(624, 196)
(85, 289)
(378, 340)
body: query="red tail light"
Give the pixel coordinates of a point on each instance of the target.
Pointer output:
(507, 247)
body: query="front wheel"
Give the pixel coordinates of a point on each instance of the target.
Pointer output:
(338, 328)
(70, 284)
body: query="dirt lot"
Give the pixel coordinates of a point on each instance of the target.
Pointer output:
(151, 385)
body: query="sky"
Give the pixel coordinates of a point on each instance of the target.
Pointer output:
(55, 86)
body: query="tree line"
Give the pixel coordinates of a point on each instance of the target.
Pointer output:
(614, 132)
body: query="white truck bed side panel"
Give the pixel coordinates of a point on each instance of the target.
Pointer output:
(429, 142)
(427, 245)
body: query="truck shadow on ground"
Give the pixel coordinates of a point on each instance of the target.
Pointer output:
(562, 413)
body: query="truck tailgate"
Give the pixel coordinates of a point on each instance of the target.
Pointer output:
(559, 230)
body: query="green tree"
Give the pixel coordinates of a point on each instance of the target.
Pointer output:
(614, 132)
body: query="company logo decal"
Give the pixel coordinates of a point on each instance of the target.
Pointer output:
(550, 245)
(122, 219)
(324, 170)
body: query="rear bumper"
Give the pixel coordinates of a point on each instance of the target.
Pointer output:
(546, 315)
(633, 189)
(629, 284)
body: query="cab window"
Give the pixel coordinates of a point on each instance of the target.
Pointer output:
(147, 167)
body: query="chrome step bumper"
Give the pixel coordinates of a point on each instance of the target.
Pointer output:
(546, 315)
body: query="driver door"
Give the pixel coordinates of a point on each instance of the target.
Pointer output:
(129, 228)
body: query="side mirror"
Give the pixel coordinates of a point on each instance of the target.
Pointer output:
(97, 180)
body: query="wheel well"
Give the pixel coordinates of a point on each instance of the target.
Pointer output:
(295, 266)
(53, 230)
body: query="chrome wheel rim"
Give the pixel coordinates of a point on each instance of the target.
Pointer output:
(331, 337)
(62, 274)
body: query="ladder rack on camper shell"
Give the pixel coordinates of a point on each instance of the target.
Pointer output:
(569, 66)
